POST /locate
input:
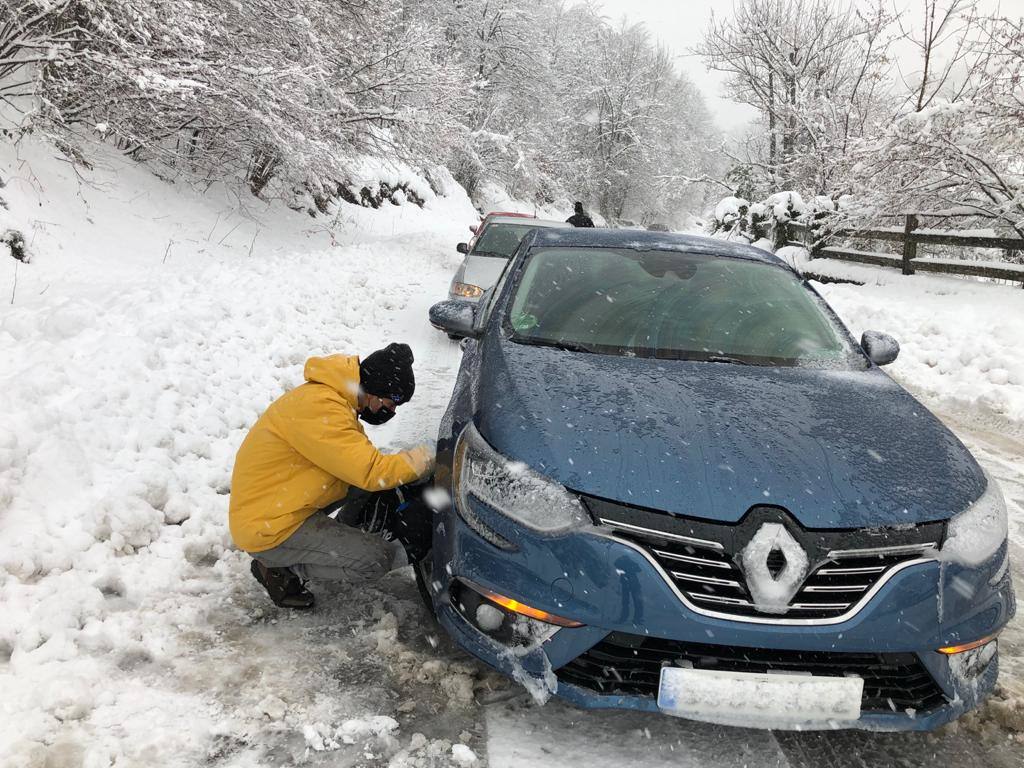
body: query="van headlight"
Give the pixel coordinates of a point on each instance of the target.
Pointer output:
(975, 535)
(511, 488)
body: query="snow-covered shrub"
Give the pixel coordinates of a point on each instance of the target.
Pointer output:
(784, 207)
(12, 241)
(730, 210)
(765, 222)
(730, 219)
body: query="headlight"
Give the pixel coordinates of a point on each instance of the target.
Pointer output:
(466, 291)
(976, 534)
(511, 488)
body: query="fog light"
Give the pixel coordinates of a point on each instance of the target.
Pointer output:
(503, 618)
(466, 291)
(514, 606)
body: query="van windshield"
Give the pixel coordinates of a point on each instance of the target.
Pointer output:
(501, 239)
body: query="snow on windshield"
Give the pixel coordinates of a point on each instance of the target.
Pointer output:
(673, 305)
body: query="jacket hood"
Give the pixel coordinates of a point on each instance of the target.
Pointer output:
(837, 448)
(339, 372)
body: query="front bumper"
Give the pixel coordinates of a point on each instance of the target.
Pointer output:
(615, 592)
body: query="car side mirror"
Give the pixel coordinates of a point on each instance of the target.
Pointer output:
(881, 348)
(462, 247)
(454, 317)
(472, 228)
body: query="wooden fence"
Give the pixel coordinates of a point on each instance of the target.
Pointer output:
(817, 238)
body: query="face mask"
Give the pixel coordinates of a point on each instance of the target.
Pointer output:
(379, 417)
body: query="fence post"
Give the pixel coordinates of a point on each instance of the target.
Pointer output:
(814, 229)
(909, 246)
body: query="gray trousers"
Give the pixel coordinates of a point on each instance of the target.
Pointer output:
(327, 549)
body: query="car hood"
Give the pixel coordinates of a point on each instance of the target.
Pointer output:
(837, 448)
(483, 270)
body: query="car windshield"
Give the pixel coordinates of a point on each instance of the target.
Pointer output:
(501, 239)
(674, 305)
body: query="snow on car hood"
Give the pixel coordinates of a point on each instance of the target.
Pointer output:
(483, 270)
(837, 448)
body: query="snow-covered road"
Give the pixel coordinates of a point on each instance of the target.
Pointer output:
(143, 341)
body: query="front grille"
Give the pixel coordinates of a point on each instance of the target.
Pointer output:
(702, 558)
(625, 664)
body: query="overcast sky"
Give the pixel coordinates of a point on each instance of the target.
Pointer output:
(680, 24)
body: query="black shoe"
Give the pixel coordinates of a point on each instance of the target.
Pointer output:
(284, 587)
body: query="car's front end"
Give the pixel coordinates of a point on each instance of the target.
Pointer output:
(779, 546)
(474, 276)
(621, 592)
(487, 255)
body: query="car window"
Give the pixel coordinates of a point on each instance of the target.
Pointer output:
(501, 239)
(674, 305)
(492, 295)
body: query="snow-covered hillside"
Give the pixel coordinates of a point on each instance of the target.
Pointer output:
(147, 333)
(151, 327)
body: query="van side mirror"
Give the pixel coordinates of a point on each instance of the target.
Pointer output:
(881, 348)
(454, 317)
(462, 247)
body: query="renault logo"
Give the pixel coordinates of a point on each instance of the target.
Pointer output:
(775, 566)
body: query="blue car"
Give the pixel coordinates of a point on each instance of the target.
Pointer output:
(675, 483)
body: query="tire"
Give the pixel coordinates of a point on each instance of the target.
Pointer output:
(423, 571)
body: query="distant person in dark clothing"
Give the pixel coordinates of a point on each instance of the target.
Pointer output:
(580, 217)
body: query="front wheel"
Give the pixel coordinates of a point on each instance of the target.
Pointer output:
(423, 571)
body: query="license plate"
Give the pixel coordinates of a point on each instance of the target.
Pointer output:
(753, 699)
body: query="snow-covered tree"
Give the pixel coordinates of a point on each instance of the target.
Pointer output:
(960, 147)
(813, 69)
(544, 97)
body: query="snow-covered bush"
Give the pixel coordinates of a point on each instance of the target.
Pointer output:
(730, 211)
(13, 242)
(765, 222)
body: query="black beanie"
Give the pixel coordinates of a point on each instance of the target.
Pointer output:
(388, 373)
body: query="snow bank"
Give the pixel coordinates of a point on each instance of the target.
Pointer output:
(959, 339)
(149, 332)
(492, 197)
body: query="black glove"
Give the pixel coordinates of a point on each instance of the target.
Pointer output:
(402, 514)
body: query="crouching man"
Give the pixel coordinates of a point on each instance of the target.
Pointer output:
(308, 455)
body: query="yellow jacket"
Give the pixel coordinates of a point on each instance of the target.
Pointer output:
(304, 453)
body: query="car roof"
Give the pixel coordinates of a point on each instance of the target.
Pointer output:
(526, 222)
(492, 214)
(644, 240)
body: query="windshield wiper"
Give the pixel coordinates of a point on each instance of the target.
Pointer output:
(568, 346)
(571, 346)
(722, 359)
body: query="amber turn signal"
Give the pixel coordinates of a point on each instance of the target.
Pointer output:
(466, 291)
(515, 606)
(949, 650)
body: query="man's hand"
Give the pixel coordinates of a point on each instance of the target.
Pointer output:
(422, 460)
